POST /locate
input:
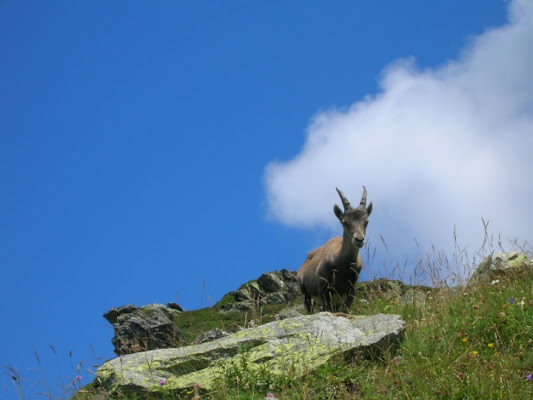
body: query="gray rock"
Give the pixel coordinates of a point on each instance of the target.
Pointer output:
(144, 328)
(113, 314)
(276, 297)
(290, 312)
(211, 335)
(270, 282)
(270, 288)
(299, 344)
(413, 297)
(384, 288)
(175, 306)
(500, 264)
(248, 291)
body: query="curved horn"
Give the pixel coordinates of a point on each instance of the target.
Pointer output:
(345, 202)
(362, 204)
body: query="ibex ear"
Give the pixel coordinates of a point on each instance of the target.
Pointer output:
(369, 209)
(338, 212)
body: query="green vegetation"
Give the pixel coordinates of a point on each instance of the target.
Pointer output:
(197, 322)
(472, 342)
(467, 343)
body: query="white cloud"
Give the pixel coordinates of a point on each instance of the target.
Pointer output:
(435, 148)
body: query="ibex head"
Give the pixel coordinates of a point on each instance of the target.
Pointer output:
(354, 220)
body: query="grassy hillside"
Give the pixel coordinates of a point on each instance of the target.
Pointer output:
(460, 343)
(467, 343)
(470, 342)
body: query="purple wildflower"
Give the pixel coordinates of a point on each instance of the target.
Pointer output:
(530, 377)
(512, 300)
(162, 382)
(78, 378)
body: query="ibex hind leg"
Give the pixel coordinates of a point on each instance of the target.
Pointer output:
(348, 303)
(308, 301)
(326, 303)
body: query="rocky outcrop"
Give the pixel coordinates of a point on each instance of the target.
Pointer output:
(300, 344)
(497, 265)
(211, 335)
(390, 290)
(270, 288)
(144, 328)
(380, 288)
(290, 312)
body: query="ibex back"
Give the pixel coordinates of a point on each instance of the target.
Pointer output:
(330, 272)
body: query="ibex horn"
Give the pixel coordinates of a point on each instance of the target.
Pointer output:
(345, 202)
(363, 199)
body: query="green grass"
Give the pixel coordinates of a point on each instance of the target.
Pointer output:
(460, 343)
(197, 322)
(466, 343)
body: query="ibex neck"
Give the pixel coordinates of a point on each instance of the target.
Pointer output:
(348, 251)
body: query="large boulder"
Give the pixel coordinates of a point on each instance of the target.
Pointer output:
(500, 264)
(144, 328)
(298, 344)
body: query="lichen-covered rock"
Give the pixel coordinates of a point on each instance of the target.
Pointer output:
(144, 328)
(499, 264)
(298, 344)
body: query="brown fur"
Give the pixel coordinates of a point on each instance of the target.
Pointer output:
(330, 272)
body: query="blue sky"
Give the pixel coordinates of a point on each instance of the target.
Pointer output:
(149, 147)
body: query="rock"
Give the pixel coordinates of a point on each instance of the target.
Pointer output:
(299, 344)
(270, 288)
(113, 314)
(144, 328)
(175, 306)
(290, 312)
(213, 334)
(276, 298)
(248, 291)
(413, 297)
(384, 288)
(497, 265)
(270, 282)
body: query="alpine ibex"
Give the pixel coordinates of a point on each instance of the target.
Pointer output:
(330, 272)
